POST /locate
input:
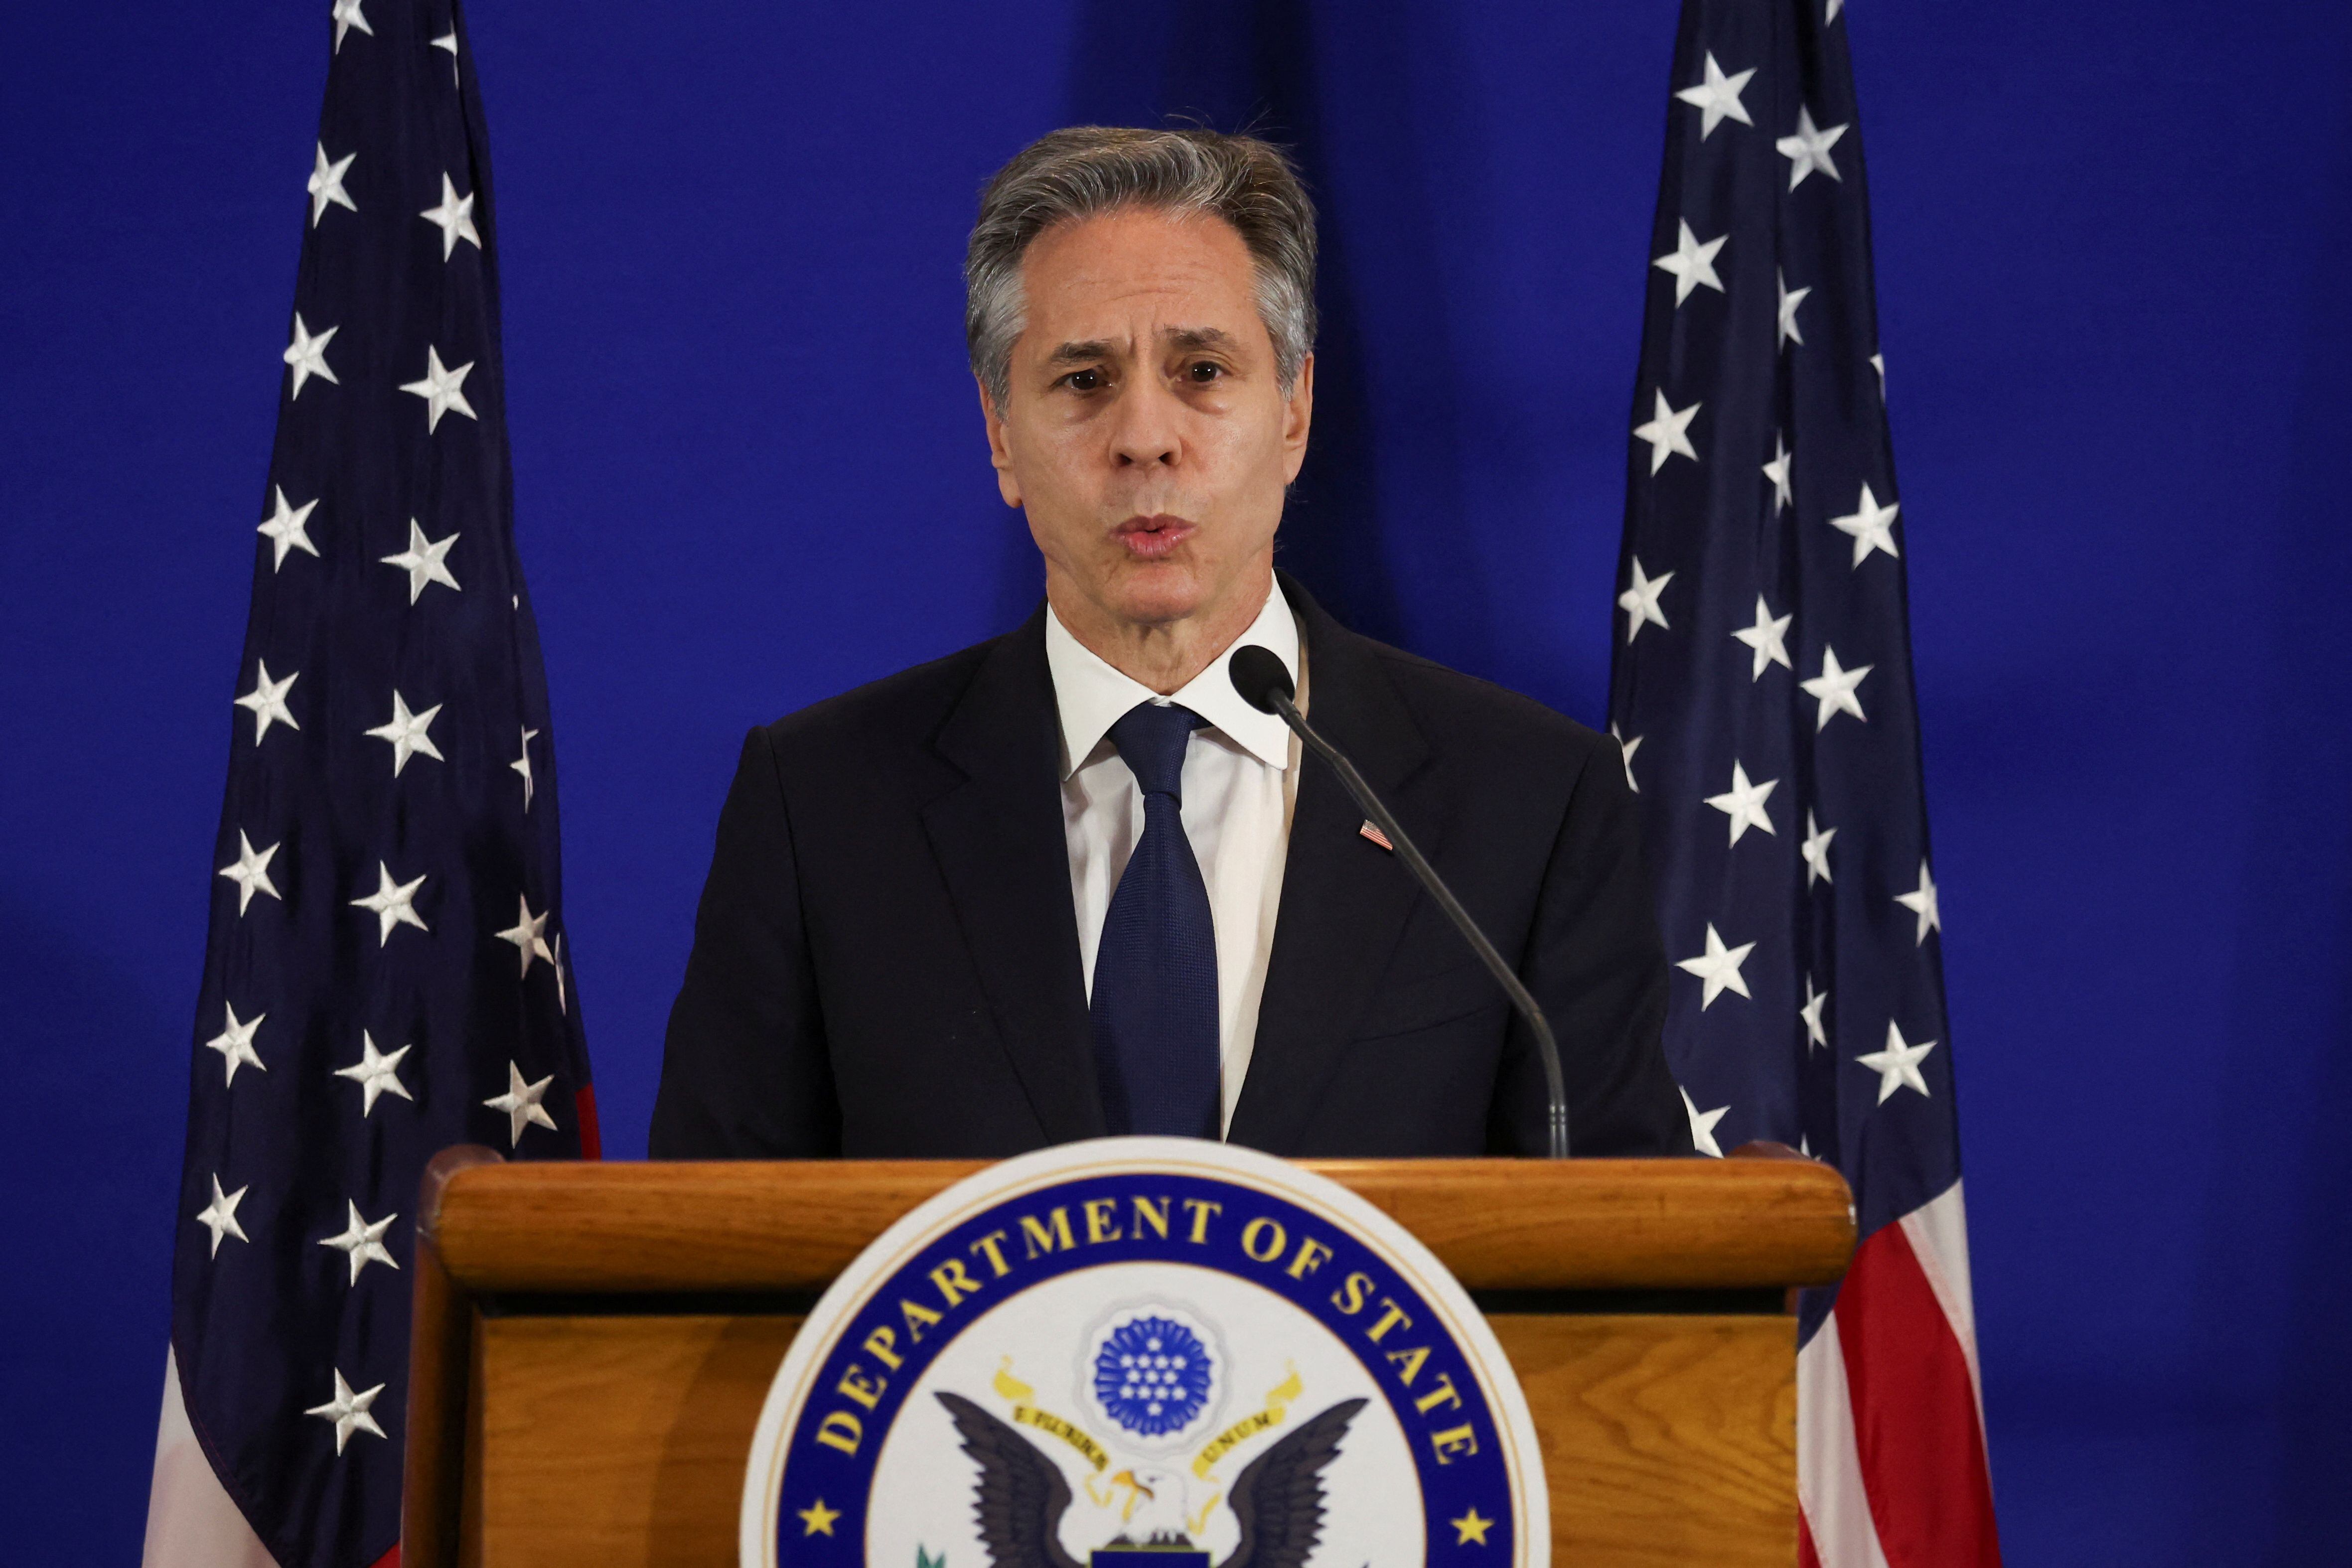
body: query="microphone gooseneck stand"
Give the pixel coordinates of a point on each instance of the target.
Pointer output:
(1259, 675)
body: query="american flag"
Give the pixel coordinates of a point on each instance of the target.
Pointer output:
(1762, 691)
(386, 972)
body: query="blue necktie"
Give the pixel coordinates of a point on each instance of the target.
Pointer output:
(1155, 995)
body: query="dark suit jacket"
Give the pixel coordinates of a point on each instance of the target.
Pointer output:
(886, 962)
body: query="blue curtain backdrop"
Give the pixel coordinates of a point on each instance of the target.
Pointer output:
(2111, 245)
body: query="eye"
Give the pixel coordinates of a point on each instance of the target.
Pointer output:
(1083, 381)
(1203, 372)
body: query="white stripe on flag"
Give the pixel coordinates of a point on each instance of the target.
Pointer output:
(1938, 1230)
(1829, 1466)
(191, 1523)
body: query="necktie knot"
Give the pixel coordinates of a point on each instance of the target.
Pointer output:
(1151, 739)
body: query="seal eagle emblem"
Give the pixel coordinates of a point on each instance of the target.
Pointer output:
(1023, 1497)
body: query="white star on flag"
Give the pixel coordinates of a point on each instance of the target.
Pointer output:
(361, 1242)
(1640, 602)
(1719, 966)
(562, 1000)
(455, 218)
(1702, 1126)
(1878, 363)
(219, 1216)
(441, 389)
(1744, 804)
(251, 871)
(1870, 525)
(520, 1103)
(308, 355)
(347, 1410)
(377, 1073)
(1769, 638)
(523, 765)
(1898, 1065)
(392, 904)
(288, 528)
(1778, 472)
(268, 700)
(425, 560)
(1811, 1013)
(1809, 148)
(346, 16)
(1716, 97)
(407, 731)
(448, 41)
(1790, 300)
(327, 185)
(235, 1042)
(1830, 13)
(1691, 264)
(1816, 852)
(1921, 901)
(1833, 690)
(528, 936)
(1629, 748)
(1667, 432)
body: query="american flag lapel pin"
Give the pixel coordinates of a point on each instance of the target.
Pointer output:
(1377, 836)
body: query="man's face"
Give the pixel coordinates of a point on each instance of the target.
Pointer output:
(1144, 431)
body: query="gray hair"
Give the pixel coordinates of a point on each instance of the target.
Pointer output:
(1092, 169)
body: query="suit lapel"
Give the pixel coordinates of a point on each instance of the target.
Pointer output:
(999, 840)
(1344, 901)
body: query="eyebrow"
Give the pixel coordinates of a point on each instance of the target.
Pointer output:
(1197, 338)
(1175, 337)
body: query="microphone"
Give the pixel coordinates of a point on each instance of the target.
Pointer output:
(1259, 677)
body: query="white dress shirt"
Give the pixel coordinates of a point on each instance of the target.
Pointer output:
(1241, 783)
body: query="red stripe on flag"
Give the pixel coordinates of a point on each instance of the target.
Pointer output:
(1807, 1557)
(1915, 1413)
(591, 1142)
(389, 1560)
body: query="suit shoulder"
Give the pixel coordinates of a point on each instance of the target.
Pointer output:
(907, 706)
(1463, 709)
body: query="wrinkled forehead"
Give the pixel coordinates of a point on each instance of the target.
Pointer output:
(1177, 279)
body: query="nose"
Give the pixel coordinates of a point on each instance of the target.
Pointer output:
(1145, 433)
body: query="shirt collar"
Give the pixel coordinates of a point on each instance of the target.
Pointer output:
(1093, 696)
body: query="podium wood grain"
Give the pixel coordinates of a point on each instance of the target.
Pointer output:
(599, 1425)
(620, 1440)
(1500, 1225)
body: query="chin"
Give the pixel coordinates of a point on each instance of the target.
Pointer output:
(1153, 591)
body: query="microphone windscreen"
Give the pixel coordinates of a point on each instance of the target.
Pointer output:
(1259, 675)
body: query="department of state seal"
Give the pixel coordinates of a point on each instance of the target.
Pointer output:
(1144, 1353)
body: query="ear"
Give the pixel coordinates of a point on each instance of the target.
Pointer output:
(1000, 455)
(1297, 413)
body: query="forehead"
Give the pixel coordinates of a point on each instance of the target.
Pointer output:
(1094, 276)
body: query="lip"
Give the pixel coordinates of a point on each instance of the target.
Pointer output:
(1153, 537)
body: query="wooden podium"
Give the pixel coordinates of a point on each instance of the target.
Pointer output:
(593, 1343)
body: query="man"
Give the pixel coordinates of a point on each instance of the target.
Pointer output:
(1067, 882)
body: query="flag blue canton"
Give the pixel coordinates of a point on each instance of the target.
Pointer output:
(385, 971)
(1762, 684)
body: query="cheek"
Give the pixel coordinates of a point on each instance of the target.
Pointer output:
(1247, 453)
(1054, 460)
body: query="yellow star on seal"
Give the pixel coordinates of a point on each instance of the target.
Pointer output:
(1471, 1528)
(819, 1517)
